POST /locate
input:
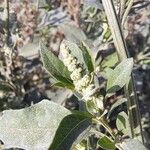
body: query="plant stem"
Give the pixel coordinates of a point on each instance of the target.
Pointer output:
(127, 11)
(121, 48)
(122, 8)
(7, 21)
(104, 123)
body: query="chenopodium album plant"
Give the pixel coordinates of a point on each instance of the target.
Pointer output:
(47, 125)
(78, 72)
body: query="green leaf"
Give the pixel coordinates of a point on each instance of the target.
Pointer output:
(69, 130)
(110, 61)
(131, 144)
(107, 34)
(55, 66)
(107, 73)
(122, 123)
(63, 85)
(106, 143)
(115, 105)
(82, 55)
(90, 106)
(75, 51)
(87, 55)
(120, 75)
(33, 127)
(59, 96)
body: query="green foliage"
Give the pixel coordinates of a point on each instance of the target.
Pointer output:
(87, 55)
(120, 75)
(110, 61)
(115, 105)
(82, 54)
(55, 66)
(90, 106)
(32, 127)
(107, 73)
(122, 123)
(47, 125)
(63, 85)
(106, 143)
(71, 128)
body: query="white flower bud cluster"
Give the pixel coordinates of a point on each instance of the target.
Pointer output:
(82, 83)
(71, 63)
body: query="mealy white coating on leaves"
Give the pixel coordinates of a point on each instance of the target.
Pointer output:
(120, 75)
(82, 83)
(131, 144)
(31, 128)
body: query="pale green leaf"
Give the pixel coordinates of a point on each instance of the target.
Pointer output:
(33, 127)
(59, 96)
(75, 50)
(131, 144)
(82, 55)
(120, 76)
(110, 61)
(122, 123)
(107, 73)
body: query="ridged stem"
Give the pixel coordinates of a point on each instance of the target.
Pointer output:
(121, 48)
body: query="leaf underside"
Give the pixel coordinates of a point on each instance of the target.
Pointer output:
(120, 75)
(82, 54)
(132, 144)
(33, 127)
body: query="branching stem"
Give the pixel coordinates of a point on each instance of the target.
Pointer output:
(130, 91)
(106, 126)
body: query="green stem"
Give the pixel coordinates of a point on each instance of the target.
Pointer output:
(121, 48)
(104, 123)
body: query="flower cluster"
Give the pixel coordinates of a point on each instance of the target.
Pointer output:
(83, 83)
